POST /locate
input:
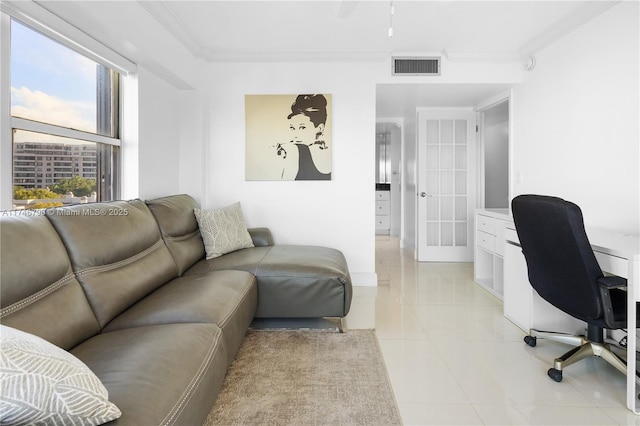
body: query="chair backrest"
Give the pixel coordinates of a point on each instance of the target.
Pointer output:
(560, 261)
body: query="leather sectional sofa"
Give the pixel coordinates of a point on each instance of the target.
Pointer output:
(125, 287)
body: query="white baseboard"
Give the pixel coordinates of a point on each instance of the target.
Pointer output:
(364, 279)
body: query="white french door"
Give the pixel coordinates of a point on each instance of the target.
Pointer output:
(446, 185)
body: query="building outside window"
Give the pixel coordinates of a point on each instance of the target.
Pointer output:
(64, 116)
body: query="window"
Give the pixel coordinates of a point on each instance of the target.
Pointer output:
(64, 112)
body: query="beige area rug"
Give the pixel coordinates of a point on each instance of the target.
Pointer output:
(309, 377)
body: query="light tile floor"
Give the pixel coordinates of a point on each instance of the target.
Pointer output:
(453, 359)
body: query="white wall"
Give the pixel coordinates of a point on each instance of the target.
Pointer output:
(158, 136)
(194, 138)
(337, 213)
(576, 121)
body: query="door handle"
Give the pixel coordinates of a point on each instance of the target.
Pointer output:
(423, 194)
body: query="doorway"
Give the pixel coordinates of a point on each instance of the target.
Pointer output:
(399, 102)
(494, 156)
(388, 178)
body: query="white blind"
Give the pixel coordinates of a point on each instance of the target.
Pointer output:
(40, 19)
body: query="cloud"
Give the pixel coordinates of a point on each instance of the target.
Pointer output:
(39, 106)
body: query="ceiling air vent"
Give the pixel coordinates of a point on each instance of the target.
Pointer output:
(405, 65)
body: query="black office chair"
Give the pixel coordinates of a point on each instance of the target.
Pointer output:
(564, 271)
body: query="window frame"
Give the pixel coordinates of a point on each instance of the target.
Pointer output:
(39, 19)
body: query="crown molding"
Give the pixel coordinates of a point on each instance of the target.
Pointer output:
(162, 12)
(475, 56)
(297, 56)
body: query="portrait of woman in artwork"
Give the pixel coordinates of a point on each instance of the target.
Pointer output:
(288, 137)
(307, 122)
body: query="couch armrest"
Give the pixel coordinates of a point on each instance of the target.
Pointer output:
(261, 237)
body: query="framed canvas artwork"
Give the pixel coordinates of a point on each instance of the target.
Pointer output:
(288, 137)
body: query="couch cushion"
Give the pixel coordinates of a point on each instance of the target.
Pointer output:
(39, 293)
(166, 374)
(303, 281)
(179, 228)
(43, 384)
(243, 260)
(116, 251)
(225, 298)
(293, 281)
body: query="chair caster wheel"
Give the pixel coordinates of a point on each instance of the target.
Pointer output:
(555, 374)
(530, 340)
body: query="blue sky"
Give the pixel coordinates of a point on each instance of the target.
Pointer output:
(50, 82)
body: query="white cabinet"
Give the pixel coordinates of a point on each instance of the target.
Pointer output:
(489, 250)
(382, 212)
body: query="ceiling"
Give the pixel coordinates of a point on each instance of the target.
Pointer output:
(219, 31)
(306, 29)
(347, 30)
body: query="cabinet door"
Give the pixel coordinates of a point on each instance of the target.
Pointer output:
(382, 223)
(382, 195)
(382, 208)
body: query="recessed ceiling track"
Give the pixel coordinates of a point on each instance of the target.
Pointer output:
(414, 65)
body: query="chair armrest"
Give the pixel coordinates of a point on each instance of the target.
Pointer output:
(613, 299)
(261, 237)
(612, 281)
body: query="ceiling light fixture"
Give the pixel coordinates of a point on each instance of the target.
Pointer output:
(391, 13)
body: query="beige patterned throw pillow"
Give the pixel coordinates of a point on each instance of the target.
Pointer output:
(41, 383)
(223, 230)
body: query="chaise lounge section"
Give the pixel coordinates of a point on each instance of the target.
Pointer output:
(125, 287)
(294, 281)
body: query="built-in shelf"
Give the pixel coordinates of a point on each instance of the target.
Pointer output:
(488, 266)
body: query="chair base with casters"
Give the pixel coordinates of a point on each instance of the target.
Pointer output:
(585, 346)
(563, 270)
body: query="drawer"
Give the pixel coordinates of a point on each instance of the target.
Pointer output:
(612, 264)
(510, 234)
(382, 195)
(382, 222)
(382, 207)
(486, 224)
(501, 229)
(486, 241)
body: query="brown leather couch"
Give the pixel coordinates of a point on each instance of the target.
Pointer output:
(125, 287)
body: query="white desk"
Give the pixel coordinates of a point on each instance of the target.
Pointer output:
(616, 253)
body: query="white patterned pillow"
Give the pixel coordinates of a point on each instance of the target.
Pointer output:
(42, 383)
(223, 230)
